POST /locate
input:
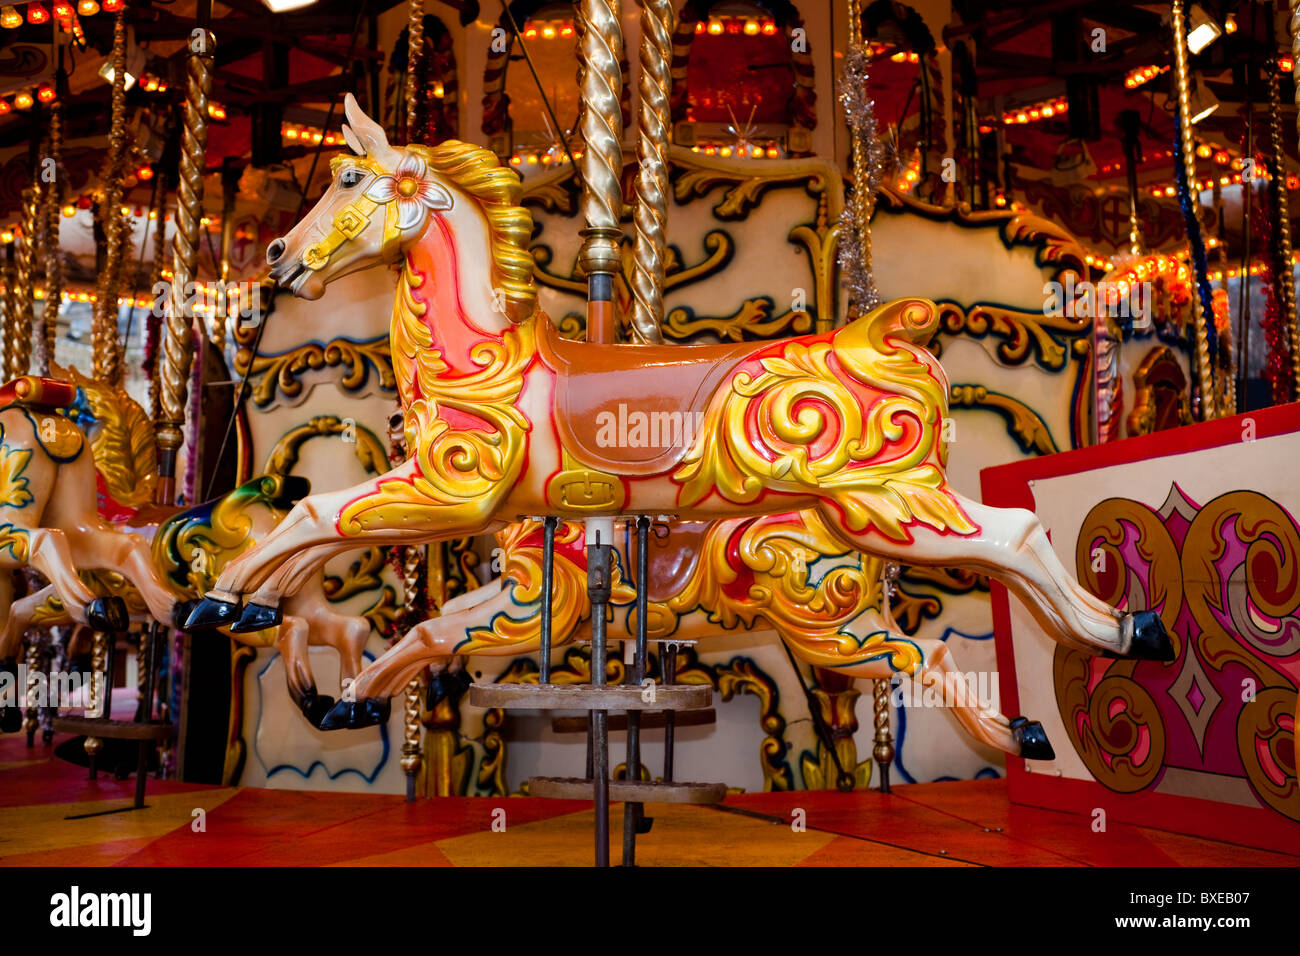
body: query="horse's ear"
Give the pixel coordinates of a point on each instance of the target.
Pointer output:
(364, 135)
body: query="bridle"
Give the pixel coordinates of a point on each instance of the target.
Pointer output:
(354, 218)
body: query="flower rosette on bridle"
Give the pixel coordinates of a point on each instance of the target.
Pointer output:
(412, 190)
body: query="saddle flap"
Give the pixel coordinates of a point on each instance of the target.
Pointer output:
(633, 410)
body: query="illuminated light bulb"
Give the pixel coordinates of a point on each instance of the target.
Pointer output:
(439, 91)
(699, 26)
(548, 32)
(1048, 111)
(530, 33)
(1223, 157)
(112, 6)
(756, 151)
(23, 100)
(735, 26)
(913, 58)
(546, 159)
(1230, 24)
(1286, 64)
(532, 159)
(516, 160)
(1169, 190)
(69, 211)
(144, 173)
(773, 152)
(751, 28)
(7, 236)
(1034, 114)
(37, 14)
(10, 18)
(715, 27)
(899, 57)
(88, 8)
(1205, 151)
(4, 107)
(1022, 117)
(725, 151)
(62, 10)
(566, 30)
(769, 28)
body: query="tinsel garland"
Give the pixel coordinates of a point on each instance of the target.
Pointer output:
(1277, 363)
(1200, 268)
(860, 115)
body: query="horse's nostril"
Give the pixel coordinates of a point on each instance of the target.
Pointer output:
(274, 251)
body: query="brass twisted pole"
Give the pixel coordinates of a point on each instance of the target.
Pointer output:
(1284, 270)
(104, 331)
(20, 344)
(178, 330)
(602, 158)
(1204, 371)
(9, 319)
(50, 245)
(651, 215)
(414, 51)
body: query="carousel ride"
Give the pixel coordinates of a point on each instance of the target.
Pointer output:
(783, 479)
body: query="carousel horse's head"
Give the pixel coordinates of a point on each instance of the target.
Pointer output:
(382, 199)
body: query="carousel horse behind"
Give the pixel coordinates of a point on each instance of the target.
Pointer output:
(136, 561)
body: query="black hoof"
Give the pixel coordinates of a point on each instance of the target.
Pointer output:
(315, 707)
(355, 714)
(182, 611)
(256, 617)
(1032, 739)
(11, 720)
(1150, 640)
(108, 614)
(211, 612)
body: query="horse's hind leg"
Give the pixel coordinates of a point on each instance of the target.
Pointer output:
(491, 623)
(51, 554)
(292, 642)
(1011, 546)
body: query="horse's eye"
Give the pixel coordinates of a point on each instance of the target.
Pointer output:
(351, 177)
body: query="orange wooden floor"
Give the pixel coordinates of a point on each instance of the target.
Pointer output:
(941, 824)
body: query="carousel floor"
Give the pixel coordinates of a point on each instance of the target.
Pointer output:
(967, 823)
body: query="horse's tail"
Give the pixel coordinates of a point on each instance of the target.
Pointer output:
(193, 546)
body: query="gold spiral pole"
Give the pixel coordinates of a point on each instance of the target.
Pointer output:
(9, 319)
(602, 158)
(651, 216)
(1204, 371)
(861, 172)
(156, 276)
(103, 329)
(413, 560)
(31, 719)
(1285, 276)
(99, 700)
(49, 325)
(414, 51)
(177, 353)
(20, 345)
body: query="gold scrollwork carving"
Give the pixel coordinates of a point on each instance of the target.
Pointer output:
(269, 375)
(1024, 424)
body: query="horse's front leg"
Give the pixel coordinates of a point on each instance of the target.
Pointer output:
(391, 511)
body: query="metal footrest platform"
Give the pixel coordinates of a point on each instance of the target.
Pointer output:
(628, 791)
(650, 720)
(112, 729)
(617, 697)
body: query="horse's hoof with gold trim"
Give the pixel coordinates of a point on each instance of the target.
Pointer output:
(257, 617)
(108, 614)
(1031, 737)
(210, 613)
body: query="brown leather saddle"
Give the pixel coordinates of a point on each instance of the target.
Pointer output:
(633, 409)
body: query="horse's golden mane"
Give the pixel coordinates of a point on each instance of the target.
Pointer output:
(478, 172)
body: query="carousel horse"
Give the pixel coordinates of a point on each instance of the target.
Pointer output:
(506, 419)
(135, 561)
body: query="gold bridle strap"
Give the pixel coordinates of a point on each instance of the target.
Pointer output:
(350, 222)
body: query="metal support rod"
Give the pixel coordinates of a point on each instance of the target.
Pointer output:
(632, 811)
(548, 584)
(1243, 287)
(669, 654)
(599, 563)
